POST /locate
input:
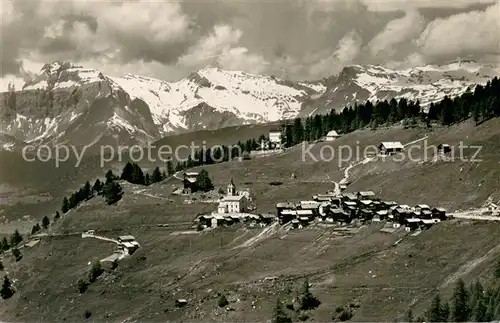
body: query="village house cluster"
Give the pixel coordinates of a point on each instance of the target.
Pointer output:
(362, 206)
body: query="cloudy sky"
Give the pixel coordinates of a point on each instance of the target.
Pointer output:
(296, 39)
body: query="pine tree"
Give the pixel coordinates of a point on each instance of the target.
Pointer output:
(17, 254)
(156, 176)
(57, 216)
(147, 180)
(127, 172)
(460, 303)
(45, 222)
(170, 168)
(110, 176)
(307, 300)
(7, 291)
(279, 315)
(435, 312)
(203, 182)
(409, 316)
(65, 205)
(97, 188)
(86, 191)
(113, 192)
(16, 238)
(5, 244)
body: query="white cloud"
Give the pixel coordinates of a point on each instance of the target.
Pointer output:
(395, 32)
(346, 52)
(396, 5)
(475, 32)
(222, 46)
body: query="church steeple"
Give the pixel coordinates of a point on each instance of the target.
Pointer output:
(231, 188)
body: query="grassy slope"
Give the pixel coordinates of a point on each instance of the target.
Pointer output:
(366, 265)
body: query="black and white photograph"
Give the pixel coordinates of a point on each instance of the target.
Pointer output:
(270, 161)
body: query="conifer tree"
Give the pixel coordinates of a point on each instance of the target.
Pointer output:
(4, 244)
(97, 188)
(65, 205)
(16, 238)
(45, 222)
(460, 303)
(279, 315)
(57, 216)
(7, 291)
(203, 182)
(110, 176)
(156, 176)
(113, 192)
(170, 168)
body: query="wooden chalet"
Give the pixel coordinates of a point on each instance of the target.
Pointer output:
(439, 213)
(366, 195)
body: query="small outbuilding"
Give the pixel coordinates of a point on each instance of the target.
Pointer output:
(390, 147)
(332, 135)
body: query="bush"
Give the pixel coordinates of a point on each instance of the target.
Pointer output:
(276, 183)
(82, 285)
(304, 317)
(308, 301)
(87, 314)
(223, 302)
(1, 266)
(95, 271)
(7, 291)
(17, 254)
(346, 315)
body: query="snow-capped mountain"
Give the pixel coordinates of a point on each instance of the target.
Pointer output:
(69, 103)
(428, 84)
(66, 103)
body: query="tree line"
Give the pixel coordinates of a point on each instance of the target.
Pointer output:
(473, 303)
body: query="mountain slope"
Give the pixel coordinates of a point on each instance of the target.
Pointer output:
(69, 103)
(427, 84)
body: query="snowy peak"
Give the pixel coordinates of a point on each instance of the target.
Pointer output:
(59, 75)
(431, 83)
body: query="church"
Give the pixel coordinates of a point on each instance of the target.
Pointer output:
(233, 202)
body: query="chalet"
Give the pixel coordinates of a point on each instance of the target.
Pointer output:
(343, 187)
(366, 204)
(365, 214)
(367, 195)
(444, 149)
(427, 223)
(413, 223)
(286, 216)
(228, 220)
(304, 221)
(439, 213)
(180, 302)
(400, 215)
(421, 207)
(324, 208)
(426, 214)
(349, 204)
(305, 213)
(295, 223)
(388, 204)
(350, 197)
(275, 139)
(313, 207)
(217, 221)
(189, 181)
(206, 220)
(127, 238)
(332, 135)
(382, 215)
(390, 148)
(284, 206)
(323, 198)
(377, 205)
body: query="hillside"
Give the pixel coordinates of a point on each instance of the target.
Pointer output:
(358, 265)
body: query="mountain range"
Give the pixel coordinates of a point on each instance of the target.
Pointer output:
(69, 104)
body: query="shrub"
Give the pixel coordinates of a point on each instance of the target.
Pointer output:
(82, 285)
(95, 271)
(223, 302)
(346, 315)
(87, 314)
(17, 254)
(7, 291)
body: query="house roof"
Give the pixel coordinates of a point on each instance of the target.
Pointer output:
(332, 133)
(126, 238)
(350, 203)
(428, 221)
(366, 193)
(232, 198)
(285, 205)
(351, 196)
(191, 180)
(392, 145)
(383, 212)
(366, 202)
(439, 209)
(413, 220)
(302, 212)
(293, 212)
(423, 206)
(304, 218)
